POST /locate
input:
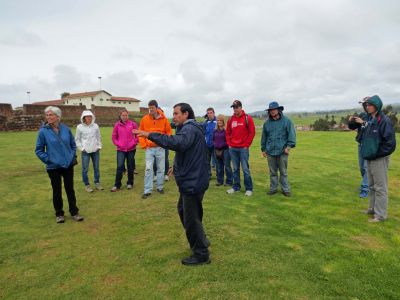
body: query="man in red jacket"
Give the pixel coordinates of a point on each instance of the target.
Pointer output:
(240, 132)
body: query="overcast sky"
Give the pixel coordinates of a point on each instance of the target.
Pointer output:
(307, 55)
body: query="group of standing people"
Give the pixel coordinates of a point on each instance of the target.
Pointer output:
(195, 144)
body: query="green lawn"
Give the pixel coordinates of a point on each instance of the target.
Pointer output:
(314, 245)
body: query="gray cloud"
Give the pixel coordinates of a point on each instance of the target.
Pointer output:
(325, 54)
(20, 38)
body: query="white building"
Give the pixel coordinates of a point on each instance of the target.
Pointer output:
(97, 98)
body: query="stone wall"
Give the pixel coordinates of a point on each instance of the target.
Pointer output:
(32, 116)
(6, 110)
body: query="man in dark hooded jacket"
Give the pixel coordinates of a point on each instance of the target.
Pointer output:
(191, 175)
(378, 142)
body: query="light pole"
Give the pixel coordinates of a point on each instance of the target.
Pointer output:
(99, 81)
(29, 97)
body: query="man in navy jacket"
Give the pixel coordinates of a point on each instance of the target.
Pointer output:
(191, 175)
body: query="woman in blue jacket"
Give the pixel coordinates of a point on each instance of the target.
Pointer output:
(55, 147)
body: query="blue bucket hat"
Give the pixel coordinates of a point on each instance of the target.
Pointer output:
(274, 105)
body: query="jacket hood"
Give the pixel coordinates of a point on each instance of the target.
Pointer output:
(194, 123)
(86, 113)
(375, 101)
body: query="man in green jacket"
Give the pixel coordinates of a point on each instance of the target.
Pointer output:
(278, 137)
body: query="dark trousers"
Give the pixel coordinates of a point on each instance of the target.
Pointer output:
(190, 210)
(55, 178)
(130, 163)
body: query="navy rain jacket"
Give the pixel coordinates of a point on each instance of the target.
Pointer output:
(191, 158)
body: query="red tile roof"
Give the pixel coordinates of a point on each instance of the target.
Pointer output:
(124, 99)
(85, 94)
(49, 102)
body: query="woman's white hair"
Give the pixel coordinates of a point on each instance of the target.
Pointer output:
(54, 109)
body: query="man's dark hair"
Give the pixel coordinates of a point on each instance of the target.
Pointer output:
(153, 103)
(210, 108)
(184, 107)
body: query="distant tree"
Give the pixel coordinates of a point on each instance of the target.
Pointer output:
(389, 111)
(332, 123)
(65, 94)
(321, 125)
(327, 117)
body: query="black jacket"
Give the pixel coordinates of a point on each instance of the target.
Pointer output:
(191, 161)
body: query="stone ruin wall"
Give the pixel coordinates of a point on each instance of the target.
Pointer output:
(30, 117)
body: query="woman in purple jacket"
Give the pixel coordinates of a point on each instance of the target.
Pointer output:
(126, 142)
(222, 153)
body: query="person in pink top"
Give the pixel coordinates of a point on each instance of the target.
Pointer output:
(126, 141)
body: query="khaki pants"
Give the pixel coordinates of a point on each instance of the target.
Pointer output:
(378, 186)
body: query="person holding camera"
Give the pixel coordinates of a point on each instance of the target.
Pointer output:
(378, 142)
(355, 123)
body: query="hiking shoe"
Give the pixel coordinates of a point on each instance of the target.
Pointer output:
(272, 193)
(375, 220)
(60, 219)
(248, 193)
(166, 178)
(146, 195)
(231, 191)
(77, 218)
(129, 186)
(368, 212)
(363, 194)
(114, 189)
(161, 191)
(286, 194)
(194, 261)
(88, 189)
(98, 187)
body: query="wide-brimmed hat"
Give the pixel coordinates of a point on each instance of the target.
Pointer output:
(274, 105)
(236, 103)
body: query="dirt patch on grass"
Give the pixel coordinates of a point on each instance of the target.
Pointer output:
(366, 241)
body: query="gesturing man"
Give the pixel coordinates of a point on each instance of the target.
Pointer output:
(191, 175)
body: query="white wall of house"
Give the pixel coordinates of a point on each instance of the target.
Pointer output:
(102, 99)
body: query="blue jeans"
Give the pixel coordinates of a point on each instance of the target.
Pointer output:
(157, 154)
(362, 163)
(211, 160)
(224, 164)
(240, 156)
(280, 163)
(166, 163)
(95, 156)
(130, 162)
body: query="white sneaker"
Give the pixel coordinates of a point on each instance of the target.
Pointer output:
(166, 178)
(231, 191)
(88, 189)
(248, 193)
(129, 186)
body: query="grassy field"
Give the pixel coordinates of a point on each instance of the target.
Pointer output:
(314, 245)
